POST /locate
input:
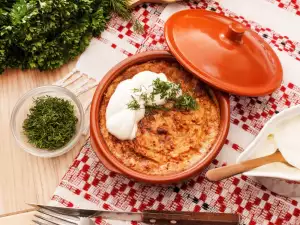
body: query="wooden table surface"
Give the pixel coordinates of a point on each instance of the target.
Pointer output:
(24, 218)
(23, 177)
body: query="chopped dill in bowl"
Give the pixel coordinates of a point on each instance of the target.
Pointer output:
(51, 122)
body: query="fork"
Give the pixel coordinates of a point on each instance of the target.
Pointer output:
(48, 217)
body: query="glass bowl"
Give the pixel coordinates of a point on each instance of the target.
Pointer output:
(21, 110)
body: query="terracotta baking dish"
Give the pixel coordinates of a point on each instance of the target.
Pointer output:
(109, 160)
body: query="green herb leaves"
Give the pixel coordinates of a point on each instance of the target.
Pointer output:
(138, 27)
(51, 123)
(134, 104)
(45, 34)
(186, 102)
(166, 90)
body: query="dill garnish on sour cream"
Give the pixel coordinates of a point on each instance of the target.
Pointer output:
(133, 97)
(165, 90)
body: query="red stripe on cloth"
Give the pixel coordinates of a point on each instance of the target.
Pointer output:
(234, 146)
(62, 201)
(71, 188)
(99, 220)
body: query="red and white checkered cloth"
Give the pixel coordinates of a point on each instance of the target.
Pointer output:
(88, 184)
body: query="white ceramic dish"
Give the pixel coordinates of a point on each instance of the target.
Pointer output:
(21, 110)
(277, 177)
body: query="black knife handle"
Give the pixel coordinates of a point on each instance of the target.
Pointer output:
(189, 218)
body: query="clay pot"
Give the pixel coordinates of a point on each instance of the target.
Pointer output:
(113, 164)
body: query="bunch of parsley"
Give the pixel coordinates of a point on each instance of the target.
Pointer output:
(45, 34)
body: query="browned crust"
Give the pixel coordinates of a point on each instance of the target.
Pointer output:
(167, 141)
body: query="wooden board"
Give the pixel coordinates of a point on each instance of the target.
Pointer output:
(17, 219)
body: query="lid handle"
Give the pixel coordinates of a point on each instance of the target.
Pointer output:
(235, 32)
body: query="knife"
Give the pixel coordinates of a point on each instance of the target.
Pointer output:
(152, 216)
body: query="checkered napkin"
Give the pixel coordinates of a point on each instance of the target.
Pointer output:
(88, 184)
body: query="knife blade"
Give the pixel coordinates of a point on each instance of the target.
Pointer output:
(151, 216)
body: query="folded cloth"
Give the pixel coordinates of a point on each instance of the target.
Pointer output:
(88, 184)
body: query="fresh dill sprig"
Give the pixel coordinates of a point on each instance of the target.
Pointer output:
(135, 90)
(122, 9)
(138, 27)
(186, 102)
(161, 88)
(134, 104)
(166, 90)
(147, 99)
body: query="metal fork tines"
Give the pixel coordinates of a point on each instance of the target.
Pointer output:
(48, 217)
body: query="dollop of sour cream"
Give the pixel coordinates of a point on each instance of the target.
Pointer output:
(121, 121)
(286, 137)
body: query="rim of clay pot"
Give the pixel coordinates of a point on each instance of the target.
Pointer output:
(112, 163)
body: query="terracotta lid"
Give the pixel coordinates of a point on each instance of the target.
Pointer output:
(223, 53)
